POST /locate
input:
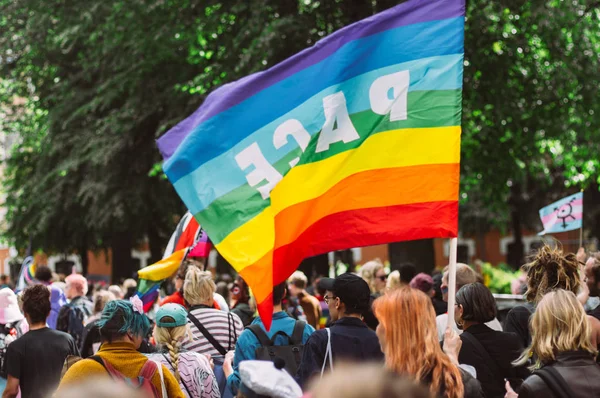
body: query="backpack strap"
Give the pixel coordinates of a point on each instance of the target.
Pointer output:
(298, 332)
(260, 334)
(555, 381)
(106, 365)
(207, 334)
(148, 370)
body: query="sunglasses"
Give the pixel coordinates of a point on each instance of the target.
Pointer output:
(382, 278)
(327, 298)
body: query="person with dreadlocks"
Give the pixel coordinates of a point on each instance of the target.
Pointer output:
(123, 327)
(192, 370)
(549, 269)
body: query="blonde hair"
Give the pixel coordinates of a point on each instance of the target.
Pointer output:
(129, 283)
(411, 342)
(559, 324)
(393, 280)
(101, 298)
(368, 272)
(198, 287)
(172, 338)
(465, 275)
(298, 279)
(358, 381)
(78, 282)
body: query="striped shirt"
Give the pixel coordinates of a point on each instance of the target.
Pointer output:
(196, 374)
(225, 327)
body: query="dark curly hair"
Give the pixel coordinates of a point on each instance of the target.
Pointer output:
(36, 303)
(43, 274)
(549, 269)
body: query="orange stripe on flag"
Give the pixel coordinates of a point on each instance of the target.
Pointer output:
(370, 189)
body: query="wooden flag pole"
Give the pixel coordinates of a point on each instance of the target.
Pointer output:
(452, 281)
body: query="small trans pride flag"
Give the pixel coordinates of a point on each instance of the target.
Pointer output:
(564, 215)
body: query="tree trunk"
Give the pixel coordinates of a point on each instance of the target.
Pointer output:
(516, 249)
(315, 266)
(156, 245)
(123, 265)
(83, 253)
(420, 253)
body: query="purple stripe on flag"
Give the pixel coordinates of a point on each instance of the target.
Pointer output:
(231, 94)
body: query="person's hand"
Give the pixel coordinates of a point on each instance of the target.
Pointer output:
(581, 256)
(228, 363)
(510, 393)
(452, 344)
(211, 362)
(584, 292)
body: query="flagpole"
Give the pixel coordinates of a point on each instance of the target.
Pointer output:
(452, 281)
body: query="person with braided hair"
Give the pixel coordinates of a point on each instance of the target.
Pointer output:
(549, 269)
(193, 371)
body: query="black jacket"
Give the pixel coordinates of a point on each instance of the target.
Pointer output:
(245, 313)
(471, 385)
(351, 340)
(517, 321)
(502, 348)
(578, 368)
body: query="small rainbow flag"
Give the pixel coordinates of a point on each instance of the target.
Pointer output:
(27, 273)
(353, 142)
(151, 277)
(188, 240)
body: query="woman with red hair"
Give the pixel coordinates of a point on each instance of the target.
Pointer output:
(408, 336)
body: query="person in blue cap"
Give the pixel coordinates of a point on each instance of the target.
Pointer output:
(193, 371)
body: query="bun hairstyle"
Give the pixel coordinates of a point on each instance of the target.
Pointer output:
(551, 269)
(199, 287)
(119, 318)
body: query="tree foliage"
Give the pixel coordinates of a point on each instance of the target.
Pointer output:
(87, 87)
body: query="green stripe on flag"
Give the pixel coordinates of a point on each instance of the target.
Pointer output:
(425, 109)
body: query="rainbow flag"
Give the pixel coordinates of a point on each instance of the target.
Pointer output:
(352, 142)
(151, 277)
(27, 274)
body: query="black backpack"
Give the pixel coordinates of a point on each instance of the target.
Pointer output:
(291, 353)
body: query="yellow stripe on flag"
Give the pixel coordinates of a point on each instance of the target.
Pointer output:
(163, 269)
(397, 148)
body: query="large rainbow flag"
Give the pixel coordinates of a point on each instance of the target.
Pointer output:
(352, 142)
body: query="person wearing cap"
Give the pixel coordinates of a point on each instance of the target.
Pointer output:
(348, 339)
(192, 370)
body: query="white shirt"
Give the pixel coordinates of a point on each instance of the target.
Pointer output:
(442, 322)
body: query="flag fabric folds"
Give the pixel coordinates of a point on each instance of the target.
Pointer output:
(352, 142)
(563, 215)
(151, 277)
(27, 274)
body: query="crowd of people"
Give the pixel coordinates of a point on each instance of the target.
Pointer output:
(363, 334)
